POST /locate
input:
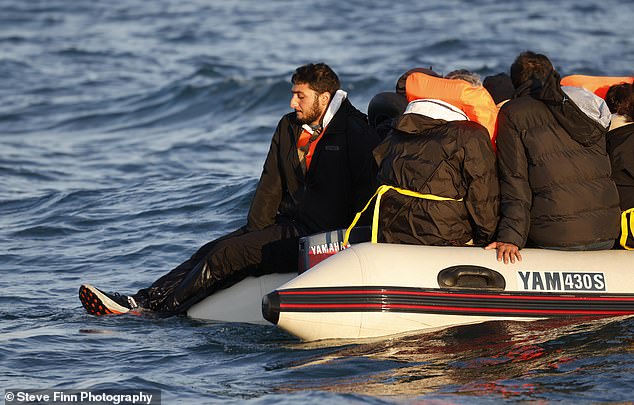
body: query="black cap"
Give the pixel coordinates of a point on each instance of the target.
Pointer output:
(400, 83)
(384, 106)
(499, 86)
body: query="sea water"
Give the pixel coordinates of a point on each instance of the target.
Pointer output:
(132, 132)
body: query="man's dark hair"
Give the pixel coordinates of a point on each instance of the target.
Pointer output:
(618, 97)
(530, 66)
(319, 77)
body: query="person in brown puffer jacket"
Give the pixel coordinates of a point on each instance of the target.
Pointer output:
(556, 190)
(434, 149)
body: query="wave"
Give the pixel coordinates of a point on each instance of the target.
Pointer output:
(185, 103)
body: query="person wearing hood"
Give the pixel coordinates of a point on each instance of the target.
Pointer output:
(555, 185)
(318, 172)
(438, 178)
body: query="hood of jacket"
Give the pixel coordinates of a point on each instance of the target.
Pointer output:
(424, 114)
(582, 128)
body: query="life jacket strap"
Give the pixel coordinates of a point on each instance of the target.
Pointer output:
(627, 229)
(375, 218)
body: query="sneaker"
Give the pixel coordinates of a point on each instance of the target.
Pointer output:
(97, 302)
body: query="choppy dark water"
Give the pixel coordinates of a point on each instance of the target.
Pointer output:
(132, 132)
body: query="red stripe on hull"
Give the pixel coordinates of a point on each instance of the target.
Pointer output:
(387, 307)
(460, 295)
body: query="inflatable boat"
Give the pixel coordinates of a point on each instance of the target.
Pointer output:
(373, 290)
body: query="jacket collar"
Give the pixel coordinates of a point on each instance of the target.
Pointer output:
(331, 110)
(336, 126)
(619, 121)
(436, 109)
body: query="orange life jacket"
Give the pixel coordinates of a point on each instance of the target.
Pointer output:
(475, 101)
(599, 85)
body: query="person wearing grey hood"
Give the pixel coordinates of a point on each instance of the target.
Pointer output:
(555, 185)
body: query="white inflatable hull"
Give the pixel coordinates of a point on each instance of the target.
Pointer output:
(374, 290)
(240, 303)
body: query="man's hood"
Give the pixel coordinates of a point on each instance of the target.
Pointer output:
(424, 114)
(579, 125)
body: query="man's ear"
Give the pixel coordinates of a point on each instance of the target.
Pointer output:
(324, 98)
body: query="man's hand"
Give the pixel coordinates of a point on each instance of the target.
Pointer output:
(505, 251)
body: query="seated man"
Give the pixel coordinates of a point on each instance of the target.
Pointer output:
(620, 141)
(555, 184)
(438, 171)
(318, 172)
(620, 146)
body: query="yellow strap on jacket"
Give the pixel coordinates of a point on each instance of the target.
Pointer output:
(375, 218)
(627, 229)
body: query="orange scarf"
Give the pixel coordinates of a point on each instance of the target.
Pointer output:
(305, 140)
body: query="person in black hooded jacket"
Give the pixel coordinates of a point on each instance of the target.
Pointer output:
(556, 190)
(434, 151)
(620, 145)
(620, 141)
(318, 173)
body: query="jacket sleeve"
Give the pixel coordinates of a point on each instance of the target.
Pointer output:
(483, 190)
(268, 193)
(515, 192)
(363, 168)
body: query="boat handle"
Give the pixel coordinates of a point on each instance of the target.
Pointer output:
(472, 277)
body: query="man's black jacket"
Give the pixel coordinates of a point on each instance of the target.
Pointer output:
(340, 180)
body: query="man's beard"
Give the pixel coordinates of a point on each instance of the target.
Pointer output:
(312, 115)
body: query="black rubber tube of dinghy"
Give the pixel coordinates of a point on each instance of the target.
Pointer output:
(271, 307)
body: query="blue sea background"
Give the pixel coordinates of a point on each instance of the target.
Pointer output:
(132, 132)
